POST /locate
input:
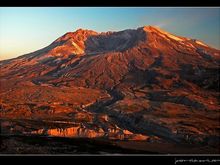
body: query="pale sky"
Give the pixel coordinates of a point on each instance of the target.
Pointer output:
(27, 29)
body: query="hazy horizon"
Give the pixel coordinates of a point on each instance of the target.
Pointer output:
(27, 29)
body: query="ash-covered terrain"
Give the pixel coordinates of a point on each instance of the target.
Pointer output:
(143, 90)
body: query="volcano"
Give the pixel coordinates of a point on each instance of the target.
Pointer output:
(141, 84)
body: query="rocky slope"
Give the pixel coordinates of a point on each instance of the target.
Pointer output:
(142, 84)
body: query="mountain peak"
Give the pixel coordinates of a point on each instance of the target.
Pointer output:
(79, 34)
(85, 31)
(150, 28)
(84, 41)
(163, 33)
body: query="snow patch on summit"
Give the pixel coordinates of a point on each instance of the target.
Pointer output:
(162, 33)
(174, 37)
(200, 43)
(165, 34)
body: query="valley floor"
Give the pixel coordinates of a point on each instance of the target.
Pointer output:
(77, 120)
